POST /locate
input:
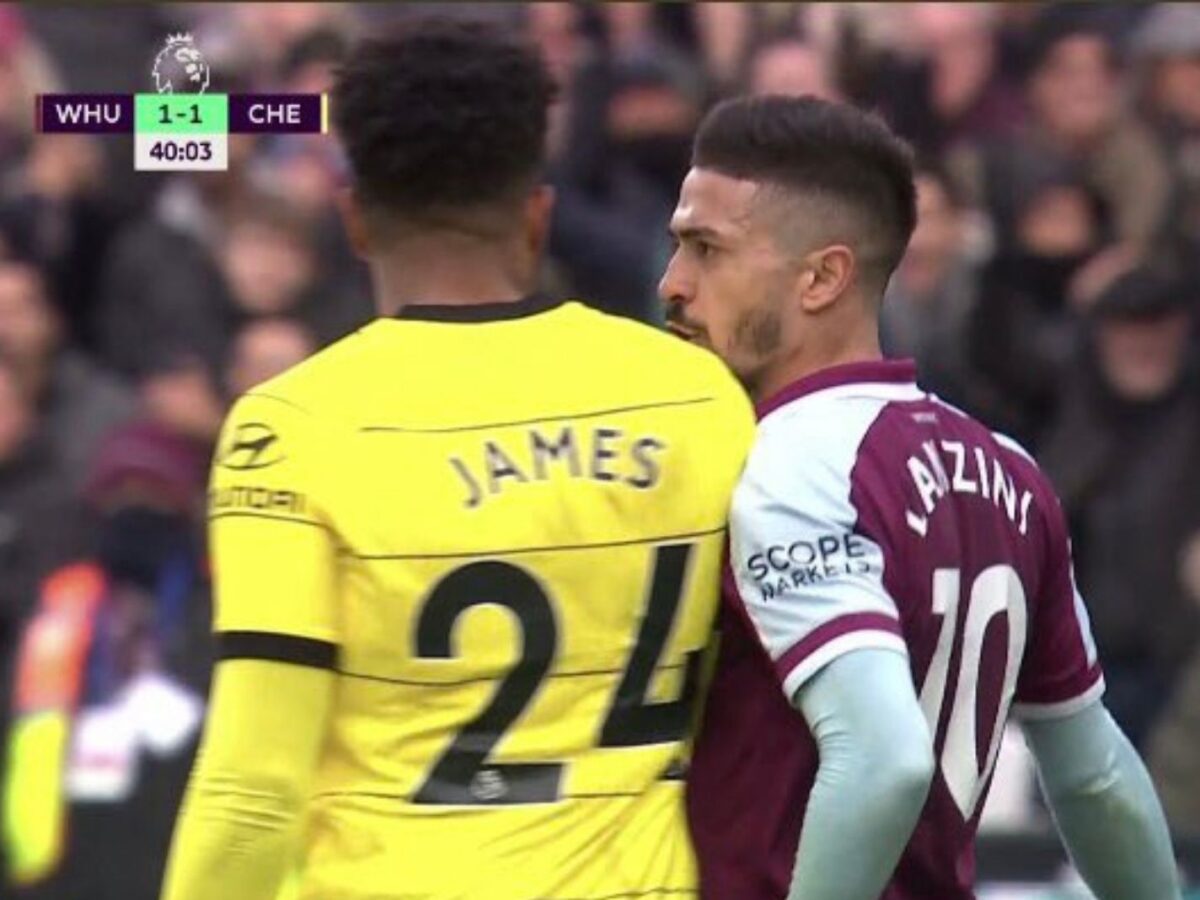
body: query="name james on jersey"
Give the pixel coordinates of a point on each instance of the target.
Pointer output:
(536, 456)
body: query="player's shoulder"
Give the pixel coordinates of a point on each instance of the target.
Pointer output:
(648, 348)
(819, 436)
(276, 425)
(1015, 454)
(314, 386)
(646, 358)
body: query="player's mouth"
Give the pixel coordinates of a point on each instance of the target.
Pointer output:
(691, 334)
(679, 332)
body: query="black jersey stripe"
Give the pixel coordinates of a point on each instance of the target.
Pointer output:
(470, 810)
(588, 414)
(482, 679)
(286, 648)
(512, 551)
(246, 514)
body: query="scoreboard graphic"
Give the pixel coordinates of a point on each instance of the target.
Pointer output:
(182, 132)
(181, 128)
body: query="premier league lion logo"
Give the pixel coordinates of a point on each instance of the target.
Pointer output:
(180, 68)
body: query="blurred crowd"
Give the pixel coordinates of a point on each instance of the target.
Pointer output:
(1052, 289)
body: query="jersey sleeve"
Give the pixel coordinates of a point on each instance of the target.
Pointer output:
(1060, 674)
(273, 547)
(810, 584)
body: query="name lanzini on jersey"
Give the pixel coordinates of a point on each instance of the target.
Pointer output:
(962, 469)
(604, 454)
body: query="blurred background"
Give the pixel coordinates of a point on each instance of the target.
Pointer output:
(1051, 289)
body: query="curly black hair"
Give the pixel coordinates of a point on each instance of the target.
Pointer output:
(441, 116)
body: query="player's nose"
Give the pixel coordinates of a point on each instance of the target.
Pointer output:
(674, 289)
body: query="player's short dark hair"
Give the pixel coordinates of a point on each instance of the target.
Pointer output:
(818, 147)
(443, 115)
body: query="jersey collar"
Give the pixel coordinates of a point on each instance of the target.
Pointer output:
(480, 312)
(879, 371)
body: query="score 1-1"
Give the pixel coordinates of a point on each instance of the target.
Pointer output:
(181, 132)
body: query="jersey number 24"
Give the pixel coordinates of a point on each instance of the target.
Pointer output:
(464, 774)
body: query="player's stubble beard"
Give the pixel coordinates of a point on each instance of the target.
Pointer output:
(754, 342)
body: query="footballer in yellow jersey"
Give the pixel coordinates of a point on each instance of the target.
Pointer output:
(467, 559)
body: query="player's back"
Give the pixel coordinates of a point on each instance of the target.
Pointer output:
(528, 504)
(919, 524)
(982, 578)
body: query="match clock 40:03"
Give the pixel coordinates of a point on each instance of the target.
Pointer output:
(174, 132)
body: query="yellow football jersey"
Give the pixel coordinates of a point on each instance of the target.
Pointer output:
(502, 526)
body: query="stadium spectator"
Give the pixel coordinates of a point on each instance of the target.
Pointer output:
(77, 403)
(615, 184)
(180, 393)
(91, 814)
(263, 349)
(259, 258)
(90, 47)
(652, 112)
(258, 37)
(593, 246)
(40, 528)
(161, 285)
(53, 212)
(270, 264)
(792, 66)
(931, 296)
(1122, 454)
(1075, 94)
(1048, 224)
(964, 94)
(306, 168)
(265, 253)
(1168, 48)
(39, 522)
(1173, 758)
(25, 71)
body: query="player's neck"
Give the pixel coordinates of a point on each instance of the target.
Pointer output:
(448, 279)
(809, 360)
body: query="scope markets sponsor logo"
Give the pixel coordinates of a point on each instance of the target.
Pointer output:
(781, 567)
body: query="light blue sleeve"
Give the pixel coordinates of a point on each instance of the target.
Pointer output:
(875, 771)
(1105, 806)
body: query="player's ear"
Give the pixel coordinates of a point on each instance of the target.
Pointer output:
(355, 222)
(825, 276)
(539, 207)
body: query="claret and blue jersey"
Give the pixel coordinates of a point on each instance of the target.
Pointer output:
(873, 515)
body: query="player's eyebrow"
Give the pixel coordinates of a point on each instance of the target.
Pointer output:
(694, 233)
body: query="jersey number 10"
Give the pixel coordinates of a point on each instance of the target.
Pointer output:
(464, 775)
(996, 591)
